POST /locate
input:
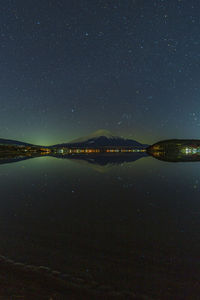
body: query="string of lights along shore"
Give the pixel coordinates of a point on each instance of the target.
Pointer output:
(72, 67)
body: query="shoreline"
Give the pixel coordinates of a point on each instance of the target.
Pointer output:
(27, 282)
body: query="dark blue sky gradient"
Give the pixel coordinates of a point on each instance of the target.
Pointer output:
(71, 67)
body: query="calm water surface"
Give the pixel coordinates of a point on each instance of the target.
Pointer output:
(132, 226)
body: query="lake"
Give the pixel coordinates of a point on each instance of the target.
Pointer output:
(118, 228)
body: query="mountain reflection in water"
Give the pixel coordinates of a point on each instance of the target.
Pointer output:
(112, 159)
(126, 225)
(98, 159)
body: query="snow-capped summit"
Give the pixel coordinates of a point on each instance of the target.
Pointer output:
(102, 138)
(94, 135)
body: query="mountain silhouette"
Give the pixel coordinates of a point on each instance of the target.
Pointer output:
(102, 138)
(13, 142)
(99, 138)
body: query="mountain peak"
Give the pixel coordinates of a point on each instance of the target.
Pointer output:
(95, 134)
(102, 138)
(102, 132)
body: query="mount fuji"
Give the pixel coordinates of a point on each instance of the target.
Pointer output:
(102, 138)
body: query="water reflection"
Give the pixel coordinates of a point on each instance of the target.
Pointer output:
(6, 159)
(133, 229)
(91, 159)
(108, 160)
(105, 159)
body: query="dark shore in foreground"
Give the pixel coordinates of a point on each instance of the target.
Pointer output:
(18, 281)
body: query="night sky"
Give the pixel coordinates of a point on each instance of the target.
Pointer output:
(70, 67)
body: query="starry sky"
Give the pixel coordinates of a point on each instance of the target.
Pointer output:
(72, 67)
